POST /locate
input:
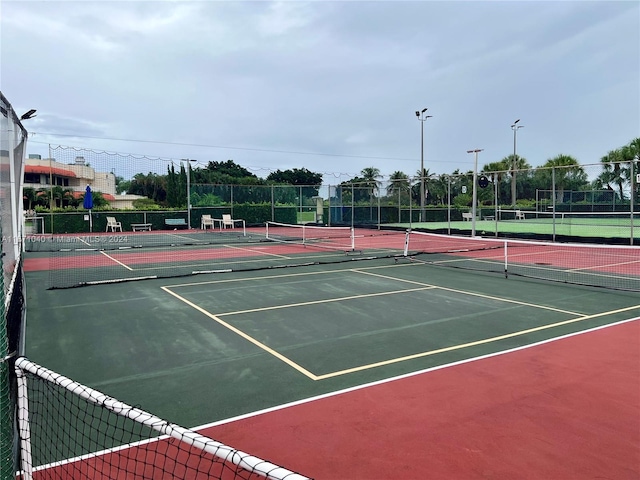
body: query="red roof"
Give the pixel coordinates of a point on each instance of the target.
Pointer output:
(44, 169)
(107, 196)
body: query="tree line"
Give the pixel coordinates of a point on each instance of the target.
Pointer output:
(562, 171)
(169, 190)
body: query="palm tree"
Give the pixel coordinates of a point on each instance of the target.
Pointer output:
(399, 182)
(613, 170)
(568, 174)
(371, 176)
(29, 194)
(497, 171)
(43, 196)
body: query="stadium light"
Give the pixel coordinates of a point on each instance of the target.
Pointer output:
(28, 115)
(475, 190)
(422, 118)
(515, 128)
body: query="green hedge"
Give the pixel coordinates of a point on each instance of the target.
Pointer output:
(74, 222)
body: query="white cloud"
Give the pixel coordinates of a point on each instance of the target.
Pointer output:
(328, 77)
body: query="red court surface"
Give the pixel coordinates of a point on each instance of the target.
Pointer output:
(566, 409)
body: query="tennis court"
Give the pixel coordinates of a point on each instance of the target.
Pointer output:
(342, 351)
(620, 227)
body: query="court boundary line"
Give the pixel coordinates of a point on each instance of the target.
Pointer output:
(242, 334)
(216, 317)
(253, 250)
(475, 294)
(330, 300)
(410, 374)
(495, 260)
(224, 263)
(323, 396)
(116, 261)
(335, 393)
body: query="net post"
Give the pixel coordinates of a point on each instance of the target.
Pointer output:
(23, 424)
(506, 261)
(406, 243)
(353, 239)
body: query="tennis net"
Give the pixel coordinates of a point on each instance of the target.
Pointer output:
(71, 431)
(332, 238)
(73, 261)
(608, 266)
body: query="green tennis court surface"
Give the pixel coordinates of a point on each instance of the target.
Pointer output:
(615, 225)
(228, 323)
(217, 346)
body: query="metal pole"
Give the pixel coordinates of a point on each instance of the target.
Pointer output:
(632, 194)
(513, 169)
(421, 170)
(495, 200)
(475, 195)
(273, 205)
(515, 128)
(449, 204)
(352, 203)
(475, 190)
(553, 201)
(399, 202)
(188, 193)
(422, 118)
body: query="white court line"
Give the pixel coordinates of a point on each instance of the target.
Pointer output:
(114, 260)
(617, 264)
(407, 375)
(107, 255)
(464, 292)
(257, 250)
(577, 318)
(329, 300)
(244, 335)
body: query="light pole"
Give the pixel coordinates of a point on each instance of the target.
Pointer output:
(475, 190)
(515, 128)
(189, 191)
(422, 118)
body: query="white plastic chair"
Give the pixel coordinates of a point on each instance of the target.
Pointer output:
(206, 221)
(113, 224)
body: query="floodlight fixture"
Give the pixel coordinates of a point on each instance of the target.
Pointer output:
(28, 115)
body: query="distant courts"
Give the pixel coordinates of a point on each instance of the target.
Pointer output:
(594, 227)
(77, 260)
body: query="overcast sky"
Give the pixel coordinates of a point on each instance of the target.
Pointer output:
(329, 86)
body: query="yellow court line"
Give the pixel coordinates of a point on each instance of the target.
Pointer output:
(309, 374)
(329, 300)
(249, 338)
(118, 262)
(463, 292)
(471, 344)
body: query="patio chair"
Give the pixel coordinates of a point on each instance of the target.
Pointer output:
(206, 221)
(113, 224)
